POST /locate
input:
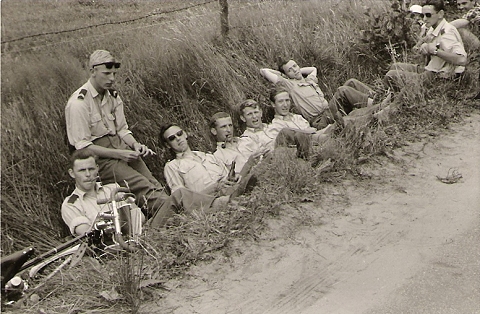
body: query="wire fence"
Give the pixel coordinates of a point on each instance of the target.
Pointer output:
(126, 29)
(107, 23)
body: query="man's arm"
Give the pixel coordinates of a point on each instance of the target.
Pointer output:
(309, 71)
(460, 23)
(271, 75)
(77, 222)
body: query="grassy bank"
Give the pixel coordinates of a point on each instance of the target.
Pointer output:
(176, 67)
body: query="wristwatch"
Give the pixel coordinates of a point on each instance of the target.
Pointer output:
(436, 49)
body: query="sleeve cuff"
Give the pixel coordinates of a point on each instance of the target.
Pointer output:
(77, 222)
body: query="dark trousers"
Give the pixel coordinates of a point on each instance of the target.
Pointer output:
(150, 194)
(298, 138)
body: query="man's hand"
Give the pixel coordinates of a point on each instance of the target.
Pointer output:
(127, 155)
(428, 49)
(143, 150)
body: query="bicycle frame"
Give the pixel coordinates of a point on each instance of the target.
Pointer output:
(105, 224)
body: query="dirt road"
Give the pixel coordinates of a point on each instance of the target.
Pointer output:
(406, 243)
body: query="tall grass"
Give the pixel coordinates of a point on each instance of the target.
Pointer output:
(178, 68)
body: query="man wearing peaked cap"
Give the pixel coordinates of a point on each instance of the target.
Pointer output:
(95, 119)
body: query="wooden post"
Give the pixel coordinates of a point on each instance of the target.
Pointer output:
(224, 17)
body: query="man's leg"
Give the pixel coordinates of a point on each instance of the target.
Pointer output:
(360, 86)
(148, 194)
(347, 99)
(401, 73)
(292, 137)
(182, 200)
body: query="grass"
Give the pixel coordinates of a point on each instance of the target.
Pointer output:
(176, 67)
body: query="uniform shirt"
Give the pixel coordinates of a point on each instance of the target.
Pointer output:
(194, 170)
(239, 150)
(82, 208)
(450, 40)
(290, 121)
(306, 95)
(89, 117)
(264, 136)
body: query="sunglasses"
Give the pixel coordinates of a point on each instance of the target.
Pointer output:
(428, 15)
(109, 65)
(172, 137)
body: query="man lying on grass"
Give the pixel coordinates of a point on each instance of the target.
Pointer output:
(308, 98)
(284, 119)
(241, 150)
(197, 171)
(267, 137)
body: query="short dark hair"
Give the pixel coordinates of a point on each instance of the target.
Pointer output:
(163, 128)
(247, 103)
(81, 154)
(281, 61)
(215, 117)
(278, 89)
(438, 5)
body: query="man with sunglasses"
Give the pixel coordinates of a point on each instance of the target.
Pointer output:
(443, 47)
(95, 119)
(194, 170)
(471, 20)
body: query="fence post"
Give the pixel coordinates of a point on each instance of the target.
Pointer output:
(224, 17)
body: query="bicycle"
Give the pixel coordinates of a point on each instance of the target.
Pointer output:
(111, 232)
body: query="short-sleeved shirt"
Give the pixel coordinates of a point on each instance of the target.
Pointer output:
(450, 40)
(239, 150)
(290, 121)
(473, 16)
(306, 95)
(194, 170)
(82, 208)
(89, 117)
(264, 136)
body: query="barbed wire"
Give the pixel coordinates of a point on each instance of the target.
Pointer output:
(106, 23)
(123, 30)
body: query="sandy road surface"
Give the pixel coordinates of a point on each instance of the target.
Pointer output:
(406, 243)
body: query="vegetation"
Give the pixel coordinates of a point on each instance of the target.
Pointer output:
(176, 67)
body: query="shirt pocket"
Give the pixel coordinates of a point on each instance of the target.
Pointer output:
(111, 117)
(95, 119)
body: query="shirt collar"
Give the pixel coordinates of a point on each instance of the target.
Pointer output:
(187, 154)
(81, 193)
(91, 89)
(439, 27)
(264, 125)
(288, 117)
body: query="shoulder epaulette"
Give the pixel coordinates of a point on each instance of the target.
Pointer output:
(82, 94)
(113, 92)
(72, 199)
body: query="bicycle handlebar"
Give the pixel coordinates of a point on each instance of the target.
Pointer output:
(114, 195)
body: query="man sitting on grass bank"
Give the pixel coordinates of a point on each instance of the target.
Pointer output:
(443, 47)
(95, 119)
(80, 209)
(309, 99)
